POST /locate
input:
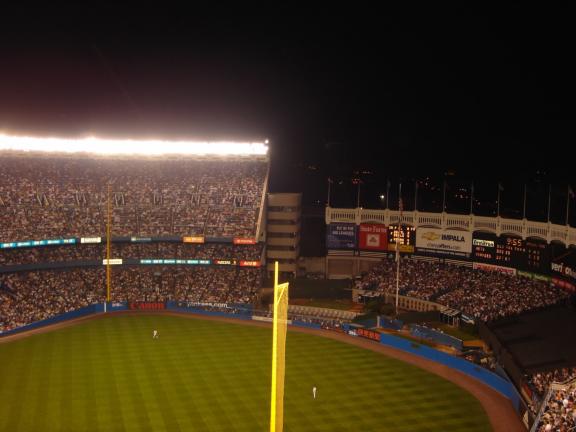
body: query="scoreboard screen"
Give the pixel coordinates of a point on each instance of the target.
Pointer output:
(406, 237)
(528, 255)
(484, 250)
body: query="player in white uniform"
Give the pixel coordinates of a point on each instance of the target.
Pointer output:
(155, 334)
(314, 392)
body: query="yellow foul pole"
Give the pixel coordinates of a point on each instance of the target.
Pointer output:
(274, 352)
(279, 326)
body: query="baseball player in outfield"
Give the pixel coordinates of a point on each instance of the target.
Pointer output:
(155, 334)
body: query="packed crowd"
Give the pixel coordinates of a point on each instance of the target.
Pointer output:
(541, 380)
(52, 197)
(484, 295)
(26, 297)
(559, 411)
(91, 252)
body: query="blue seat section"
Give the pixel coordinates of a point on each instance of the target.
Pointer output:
(484, 375)
(435, 336)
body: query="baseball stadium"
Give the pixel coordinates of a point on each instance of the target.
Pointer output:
(150, 285)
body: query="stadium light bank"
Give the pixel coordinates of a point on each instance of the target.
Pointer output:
(102, 146)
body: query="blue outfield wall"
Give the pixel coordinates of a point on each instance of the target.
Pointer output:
(306, 324)
(239, 314)
(490, 379)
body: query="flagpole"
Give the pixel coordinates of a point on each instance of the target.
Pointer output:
(416, 195)
(568, 195)
(358, 196)
(471, 197)
(398, 245)
(498, 202)
(524, 210)
(444, 197)
(329, 183)
(549, 195)
(387, 192)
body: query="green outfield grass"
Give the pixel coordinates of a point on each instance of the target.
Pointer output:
(110, 375)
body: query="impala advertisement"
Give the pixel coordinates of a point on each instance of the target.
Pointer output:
(445, 242)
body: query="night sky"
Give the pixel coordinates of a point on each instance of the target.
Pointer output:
(370, 98)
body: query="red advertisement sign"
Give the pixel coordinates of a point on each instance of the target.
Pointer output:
(368, 334)
(563, 284)
(146, 306)
(240, 240)
(373, 237)
(490, 267)
(244, 263)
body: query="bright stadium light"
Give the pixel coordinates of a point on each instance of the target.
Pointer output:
(131, 147)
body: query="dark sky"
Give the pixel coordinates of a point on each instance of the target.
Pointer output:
(478, 97)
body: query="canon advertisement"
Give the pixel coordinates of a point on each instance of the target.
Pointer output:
(373, 237)
(444, 242)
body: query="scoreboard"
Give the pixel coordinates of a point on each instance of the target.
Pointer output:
(507, 251)
(406, 237)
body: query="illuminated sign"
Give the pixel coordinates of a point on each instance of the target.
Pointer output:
(406, 238)
(91, 240)
(140, 239)
(193, 239)
(30, 243)
(113, 261)
(483, 243)
(239, 240)
(244, 263)
(170, 261)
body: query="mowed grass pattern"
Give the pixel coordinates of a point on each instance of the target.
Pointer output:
(110, 375)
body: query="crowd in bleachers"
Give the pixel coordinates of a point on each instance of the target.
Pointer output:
(26, 297)
(484, 295)
(541, 380)
(91, 252)
(559, 411)
(50, 197)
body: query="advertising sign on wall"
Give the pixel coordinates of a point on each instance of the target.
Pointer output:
(373, 237)
(113, 261)
(490, 267)
(245, 263)
(146, 306)
(240, 241)
(341, 236)
(445, 242)
(193, 239)
(91, 240)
